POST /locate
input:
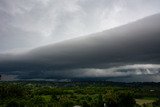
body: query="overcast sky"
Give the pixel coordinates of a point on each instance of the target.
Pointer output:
(125, 53)
(32, 23)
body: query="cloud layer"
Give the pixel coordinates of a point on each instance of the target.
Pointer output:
(127, 70)
(31, 23)
(128, 52)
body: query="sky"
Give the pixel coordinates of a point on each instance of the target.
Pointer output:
(113, 39)
(26, 24)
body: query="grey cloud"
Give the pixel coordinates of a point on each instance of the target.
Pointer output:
(120, 71)
(33, 23)
(111, 53)
(137, 78)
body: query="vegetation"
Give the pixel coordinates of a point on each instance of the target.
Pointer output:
(83, 94)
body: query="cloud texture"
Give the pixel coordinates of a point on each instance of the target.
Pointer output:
(31, 23)
(128, 53)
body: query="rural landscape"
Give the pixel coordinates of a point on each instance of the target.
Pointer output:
(79, 53)
(79, 94)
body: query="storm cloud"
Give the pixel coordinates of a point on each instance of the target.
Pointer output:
(130, 51)
(26, 24)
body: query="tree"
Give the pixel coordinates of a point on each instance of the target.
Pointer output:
(156, 103)
(126, 100)
(12, 103)
(85, 104)
(119, 99)
(38, 100)
(100, 102)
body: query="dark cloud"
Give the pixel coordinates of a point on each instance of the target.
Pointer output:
(131, 50)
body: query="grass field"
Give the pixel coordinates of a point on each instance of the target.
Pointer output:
(144, 101)
(138, 101)
(47, 97)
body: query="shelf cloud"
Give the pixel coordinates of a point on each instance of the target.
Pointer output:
(131, 50)
(115, 40)
(28, 24)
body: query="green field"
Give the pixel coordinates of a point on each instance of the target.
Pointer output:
(85, 94)
(144, 101)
